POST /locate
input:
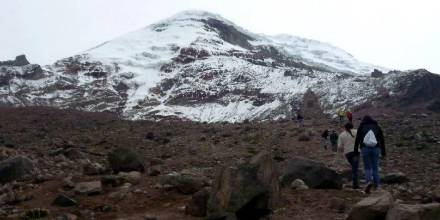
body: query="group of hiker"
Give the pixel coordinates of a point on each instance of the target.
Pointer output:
(366, 142)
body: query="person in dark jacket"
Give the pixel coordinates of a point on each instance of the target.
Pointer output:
(300, 119)
(334, 141)
(370, 154)
(324, 139)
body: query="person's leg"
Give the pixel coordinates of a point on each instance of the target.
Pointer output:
(367, 164)
(375, 166)
(355, 171)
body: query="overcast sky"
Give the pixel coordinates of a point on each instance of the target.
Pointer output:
(398, 34)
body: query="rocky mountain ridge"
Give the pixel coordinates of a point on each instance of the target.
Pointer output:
(201, 67)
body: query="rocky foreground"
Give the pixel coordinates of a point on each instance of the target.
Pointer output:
(63, 164)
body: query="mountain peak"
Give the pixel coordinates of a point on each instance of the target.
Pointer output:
(197, 14)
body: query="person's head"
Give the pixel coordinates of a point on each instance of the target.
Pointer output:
(368, 119)
(348, 128)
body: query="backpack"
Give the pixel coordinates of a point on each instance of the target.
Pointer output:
(370, 139)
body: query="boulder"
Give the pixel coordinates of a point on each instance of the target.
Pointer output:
(16, 168)
(316, 175)
(198, 203)
(374, 207)
(64, 201)
(88, 188)
(246, 191)
(185, 183)
(414, 212)
(394, 178)
(126, 160)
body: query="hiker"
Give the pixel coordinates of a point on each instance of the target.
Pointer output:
(371, 141)
(334, 141)
(341, 115)
(349, 116)
(346, 148)
(324, 139)
(300, 119)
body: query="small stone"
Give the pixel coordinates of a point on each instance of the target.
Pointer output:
(149, 217)
(68, 183)
(121, 193)
(88, 188)
(67, 216)
(107, 208)
(395, 178)
(93, 169)
(113, 180)
(64, 201)
(35, 214)
(298, 184)
(198, 204)
(337, 204)
(133, 177)
(154, 170)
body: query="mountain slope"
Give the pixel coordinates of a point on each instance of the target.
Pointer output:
(199, 66)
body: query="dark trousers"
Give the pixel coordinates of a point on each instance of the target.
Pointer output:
(353, 159)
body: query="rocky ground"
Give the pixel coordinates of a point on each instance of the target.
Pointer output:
(64, 168)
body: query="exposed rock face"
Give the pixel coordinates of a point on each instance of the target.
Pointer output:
(248, 191)
(419, 87)
(16, 168)
(376, 73)
(314, 174)
(19, 61)
(375, 207)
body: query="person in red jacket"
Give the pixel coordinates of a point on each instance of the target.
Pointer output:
(350, 116)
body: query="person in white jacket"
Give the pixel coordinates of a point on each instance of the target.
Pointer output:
(346, 143)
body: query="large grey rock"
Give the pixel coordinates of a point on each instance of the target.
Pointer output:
(374, 207)
(316, 175)
(414, 212)
(16, 169)
(246, 191)
(126, 160)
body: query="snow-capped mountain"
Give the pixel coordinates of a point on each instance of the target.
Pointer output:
(200, 66)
